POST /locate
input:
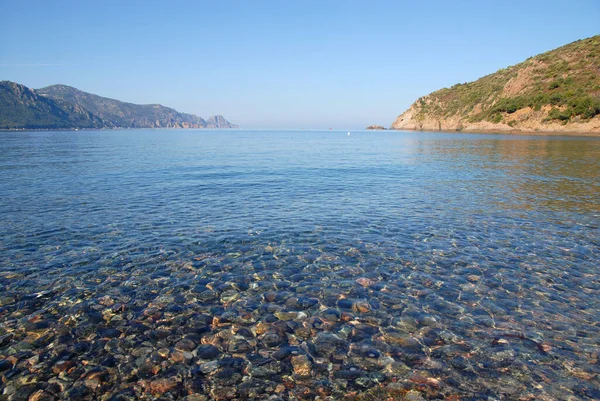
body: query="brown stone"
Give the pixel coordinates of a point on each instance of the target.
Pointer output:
(106, 301)
(185, 345)
(301, 364)
(361, 306)
(401, 339)
(261, 328)
(62, 366)
(347, 316)
(177, 356)
(41, 395)
(95, 379)
(395, 388)
(365, 282)
(161, 386)
(423, 378)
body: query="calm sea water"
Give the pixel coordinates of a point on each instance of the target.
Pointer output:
(313, 263)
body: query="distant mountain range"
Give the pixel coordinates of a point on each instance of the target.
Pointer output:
(557, 91)
(65, 107)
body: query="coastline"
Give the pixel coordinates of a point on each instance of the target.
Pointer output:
(516, 132)
(111, 129)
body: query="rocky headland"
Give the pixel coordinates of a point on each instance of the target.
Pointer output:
(554, 92)
(65, 107)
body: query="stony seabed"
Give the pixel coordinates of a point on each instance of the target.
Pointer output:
(273, 321)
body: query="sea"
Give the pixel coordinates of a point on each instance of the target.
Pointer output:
(250, 264)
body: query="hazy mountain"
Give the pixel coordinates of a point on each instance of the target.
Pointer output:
(61, 106)
(122, 114)
(22, 107)
(555, 91)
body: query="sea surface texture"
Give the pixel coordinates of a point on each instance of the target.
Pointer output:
(216, 265)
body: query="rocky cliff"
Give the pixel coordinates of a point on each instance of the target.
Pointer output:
(219, 122)
(557, 91)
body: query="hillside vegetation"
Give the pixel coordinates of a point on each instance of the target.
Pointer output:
(555, 91)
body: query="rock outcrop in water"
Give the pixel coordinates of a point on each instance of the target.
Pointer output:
(557, 91)
(219, 122)
(61, 106)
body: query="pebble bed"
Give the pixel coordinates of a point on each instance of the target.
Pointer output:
(277, 321)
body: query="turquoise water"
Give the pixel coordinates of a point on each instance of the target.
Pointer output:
(299, 264)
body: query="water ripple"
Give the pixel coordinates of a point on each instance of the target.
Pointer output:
(239, 265)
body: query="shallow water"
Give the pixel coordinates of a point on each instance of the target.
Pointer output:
(246, 264)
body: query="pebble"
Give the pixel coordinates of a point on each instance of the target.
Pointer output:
(163, 385)
(62, 366)
(207, 351)
(301, 364)
(402, 339)
(110, 333)
(185, 345)
(6, 339)
(209, 367)
(42, 395)
(5, 364)
(4, 300)
(413, 395)
(22, 393)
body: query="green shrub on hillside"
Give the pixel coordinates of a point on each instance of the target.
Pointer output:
(508, 105)
(566, 78)
(496, 118)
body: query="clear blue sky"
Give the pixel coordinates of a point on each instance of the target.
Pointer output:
(279, 64)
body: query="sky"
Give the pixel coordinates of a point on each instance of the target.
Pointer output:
(279, 64)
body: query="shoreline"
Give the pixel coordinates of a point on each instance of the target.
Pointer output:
(109, 129)
(515, 132)
(508, 132)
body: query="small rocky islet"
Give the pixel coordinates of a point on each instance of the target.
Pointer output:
(277, 322)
